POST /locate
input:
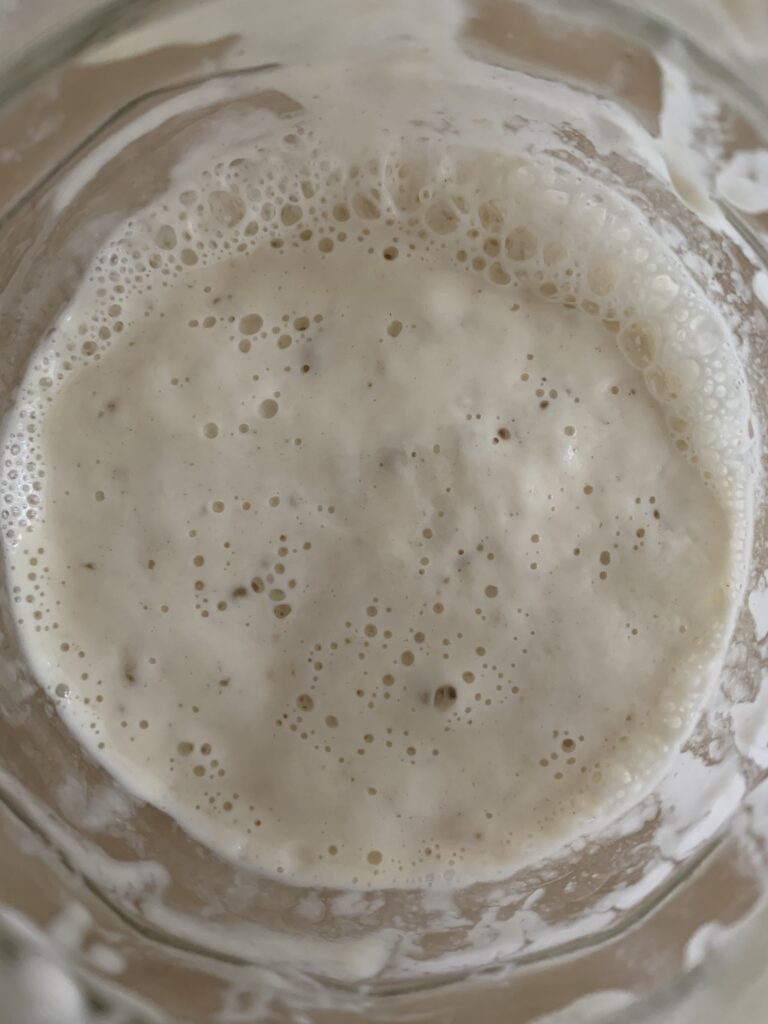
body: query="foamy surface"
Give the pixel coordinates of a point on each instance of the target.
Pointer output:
(380, 517)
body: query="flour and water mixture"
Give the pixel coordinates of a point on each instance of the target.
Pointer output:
(379, 506)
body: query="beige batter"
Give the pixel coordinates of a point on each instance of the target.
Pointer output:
(382, 521)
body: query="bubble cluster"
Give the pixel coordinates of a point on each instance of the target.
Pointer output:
(547, 228)
(386, 515)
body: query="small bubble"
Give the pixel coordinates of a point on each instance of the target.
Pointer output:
(165, 237)
(444, 697)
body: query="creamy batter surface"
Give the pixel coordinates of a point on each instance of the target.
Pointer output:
(381, 519)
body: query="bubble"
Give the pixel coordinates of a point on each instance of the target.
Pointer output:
(491, 215)
(166, 237)
(640, 343)
(444, 697)
(290, 214)
(366, 207)
(498, 274)
(251, 323)
(268, 408)
(670, 384)
(520, 244)
(226, 208)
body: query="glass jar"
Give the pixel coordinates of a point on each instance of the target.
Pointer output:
(654, 918)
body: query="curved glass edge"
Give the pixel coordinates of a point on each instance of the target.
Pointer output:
(727, 978)
(40, 36)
